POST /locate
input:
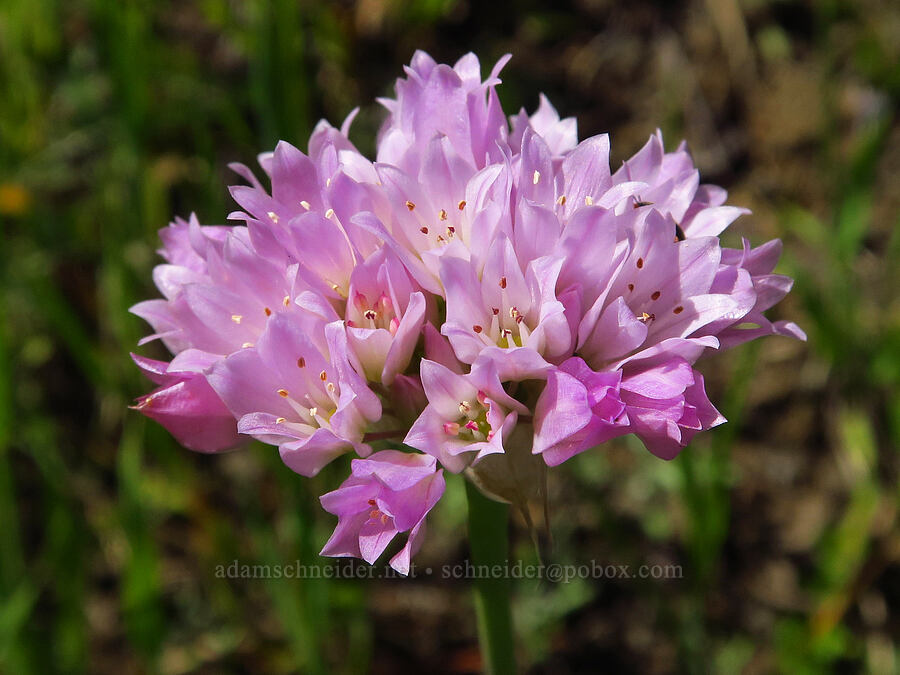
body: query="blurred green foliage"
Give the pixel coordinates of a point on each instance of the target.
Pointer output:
(116, 114)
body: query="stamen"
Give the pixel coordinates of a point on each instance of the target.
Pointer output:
(329, 213)
(536, 178)
(461, 205)
(385, 303)
(523, 329)
(472, 425)
(477, 328)
(442, 214)
(562, 200)
(655, 295)
(465, 407)
(361, 301)
(246, 345)
(502, 282)
(280, 420)
(678, 310)
(304, 204)
(644, 317)
(495, 310)
(323, 376)
(287, 301)
(313, 411)
(372, 502)
(589, 201)
(267, 311)
(236, 318)
(423, 230)
(410, 205)
(640, 263)
(630, 287)
(301, 362)
(273, 216)
(283, 393)
(370, 314)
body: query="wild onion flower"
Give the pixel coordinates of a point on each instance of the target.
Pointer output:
(487, 293)
(388, 493)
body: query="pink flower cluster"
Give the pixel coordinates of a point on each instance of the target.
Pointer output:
(478, 276)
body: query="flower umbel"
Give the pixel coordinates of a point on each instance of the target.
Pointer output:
(484, 288)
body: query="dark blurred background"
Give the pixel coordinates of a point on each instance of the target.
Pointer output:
(117, 114)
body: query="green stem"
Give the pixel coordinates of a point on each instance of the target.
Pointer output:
(489, 545)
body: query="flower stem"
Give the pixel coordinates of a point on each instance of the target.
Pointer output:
(489, 545)
(384, 435)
